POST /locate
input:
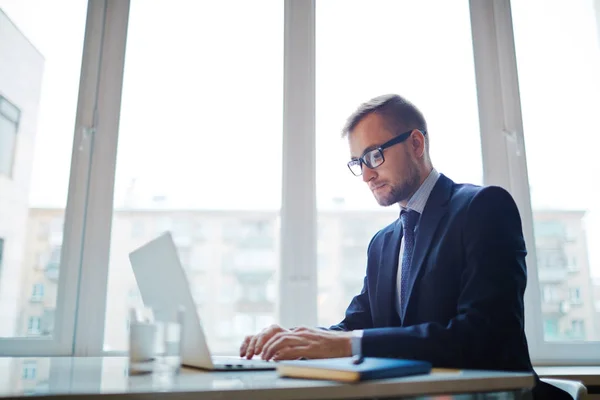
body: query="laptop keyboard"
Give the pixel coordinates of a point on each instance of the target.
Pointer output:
(238, 362)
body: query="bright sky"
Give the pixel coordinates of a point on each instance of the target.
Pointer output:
(202, 98)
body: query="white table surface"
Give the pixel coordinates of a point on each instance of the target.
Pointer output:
(84, 376)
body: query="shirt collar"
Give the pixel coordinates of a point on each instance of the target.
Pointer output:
(419, 198)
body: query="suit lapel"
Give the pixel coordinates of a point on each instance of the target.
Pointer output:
(435, 209)
(386, 287)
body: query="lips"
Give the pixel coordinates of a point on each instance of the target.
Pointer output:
(375, 187)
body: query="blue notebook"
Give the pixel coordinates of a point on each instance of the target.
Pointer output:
(343, 370)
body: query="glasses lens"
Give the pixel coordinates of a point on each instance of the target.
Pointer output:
(374, 158)
(355, 167)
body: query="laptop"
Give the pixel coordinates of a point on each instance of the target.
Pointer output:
(164, 286)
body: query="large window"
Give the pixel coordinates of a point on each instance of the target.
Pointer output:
(220, 122)
(558, 59)
(39, 83)
(369, 48)
(207, 164)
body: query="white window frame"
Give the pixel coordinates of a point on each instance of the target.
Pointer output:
(104, 125)
(85, 253)
(505, 163)
(298, 272)
(62, 340)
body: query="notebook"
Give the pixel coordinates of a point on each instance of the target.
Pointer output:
(343, 370)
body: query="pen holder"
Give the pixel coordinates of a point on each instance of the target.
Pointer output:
(142, 341)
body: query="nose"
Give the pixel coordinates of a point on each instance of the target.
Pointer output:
(368, 174)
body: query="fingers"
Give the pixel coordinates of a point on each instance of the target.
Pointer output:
(281, 341)
(306, 343)
(251, 344)
(265, 336)
(244, 345)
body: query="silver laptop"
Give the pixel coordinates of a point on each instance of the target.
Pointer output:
(164, 286)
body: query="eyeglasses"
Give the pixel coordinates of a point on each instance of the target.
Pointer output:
(374, 158)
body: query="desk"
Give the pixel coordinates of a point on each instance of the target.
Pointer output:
(589, 375)
(81, 377)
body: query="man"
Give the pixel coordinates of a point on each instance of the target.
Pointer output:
(444, 283)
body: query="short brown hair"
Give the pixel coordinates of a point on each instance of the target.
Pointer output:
(398, 113)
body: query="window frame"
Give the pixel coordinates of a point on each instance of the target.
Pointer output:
(14, 120)
(85, 253)
(505, 162)
(65, 324)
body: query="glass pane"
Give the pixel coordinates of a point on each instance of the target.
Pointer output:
(202, 98)
(558, 57)
(380, 47)
(8, 138)
(39, 77)
(9, 110)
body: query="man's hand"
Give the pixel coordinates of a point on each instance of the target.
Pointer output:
(253, 344)
(308, 343)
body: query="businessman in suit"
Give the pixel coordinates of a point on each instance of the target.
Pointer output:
(444, 282)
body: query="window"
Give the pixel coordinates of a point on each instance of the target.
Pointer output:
(9, 124)
(551, 293)
(34, 325)
(39, 88)
(214, 165)
(434, 70)
(37, 292)
(578, 329)
(575, 295)
(53, 264)
(229, 56)
(29, 370)
(549, 228)
(558, 59)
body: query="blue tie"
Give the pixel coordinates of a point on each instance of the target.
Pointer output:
(409, 221)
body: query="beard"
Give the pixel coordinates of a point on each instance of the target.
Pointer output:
(396, 192)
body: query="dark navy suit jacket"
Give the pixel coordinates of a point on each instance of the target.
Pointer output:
(466, 285)
(465, 291)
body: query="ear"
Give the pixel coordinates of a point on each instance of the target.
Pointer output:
(417, 143)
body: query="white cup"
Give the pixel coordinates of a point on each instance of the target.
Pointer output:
(142, 341)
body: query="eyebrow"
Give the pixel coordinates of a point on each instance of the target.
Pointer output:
(368, 149)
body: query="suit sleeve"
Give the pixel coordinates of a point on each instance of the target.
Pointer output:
(358, 313)
(490, 301)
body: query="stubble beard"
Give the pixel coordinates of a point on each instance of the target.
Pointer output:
(401, 191)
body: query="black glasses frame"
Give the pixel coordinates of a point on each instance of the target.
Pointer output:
(363, 160)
